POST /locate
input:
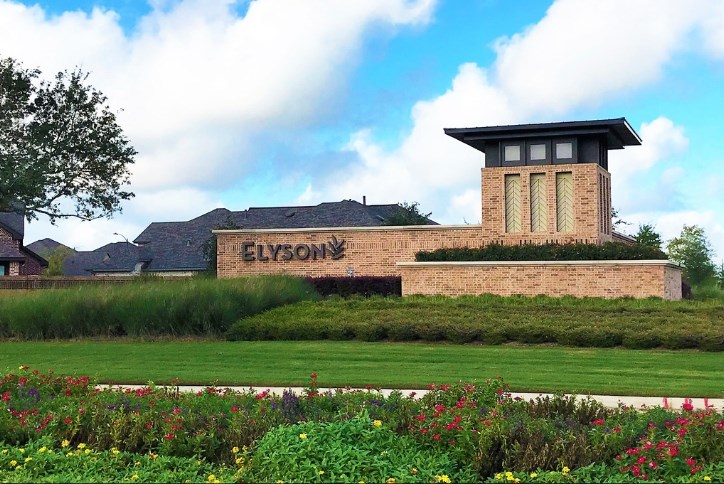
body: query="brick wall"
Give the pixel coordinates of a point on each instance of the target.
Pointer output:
(370, 251)
(608, 279)
(591, 185)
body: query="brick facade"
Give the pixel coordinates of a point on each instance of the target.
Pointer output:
(29, 267)
(607, 279)
(370, 251)
(592, 189)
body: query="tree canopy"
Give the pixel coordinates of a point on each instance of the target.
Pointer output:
(648, 236)
(692, 250)
(59, 142)
(408, 214)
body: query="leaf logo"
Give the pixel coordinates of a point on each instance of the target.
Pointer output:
(337, 247)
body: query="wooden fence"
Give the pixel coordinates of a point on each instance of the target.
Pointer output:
(36, 282)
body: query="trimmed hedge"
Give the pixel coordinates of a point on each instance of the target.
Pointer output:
(544, 252)
(359, 285)
(491, 320)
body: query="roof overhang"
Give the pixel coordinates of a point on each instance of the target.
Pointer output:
(618, 132)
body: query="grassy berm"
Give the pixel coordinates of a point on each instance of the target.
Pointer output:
(587, 322)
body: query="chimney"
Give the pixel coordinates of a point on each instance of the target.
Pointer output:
(364, 199)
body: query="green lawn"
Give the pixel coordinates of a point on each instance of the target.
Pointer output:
(682, 373)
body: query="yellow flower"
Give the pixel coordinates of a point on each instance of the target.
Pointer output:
(115, 451)
(134, 477)
(321, 473)
(442, 478)
(65, 444)
(565, 470)
(533, 475)
(239, 460)
(69, 454)
(28, 459)
(707, 478)
(391, 480)
(42, 449)
(302, 436)
(516, 480)
(377, 423)
(22, 450)
(211, 478)
(87, 451)
(81, 446)
(5, 451)
(235, 450)
(153, 456)
(13, 463)
(414, 471)
(498, 476)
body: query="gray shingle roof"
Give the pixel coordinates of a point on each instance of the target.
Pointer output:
(115, 257)
(45, 247)
(178, 246)
(14, 222)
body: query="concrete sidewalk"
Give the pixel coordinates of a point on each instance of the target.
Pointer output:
(607, 400)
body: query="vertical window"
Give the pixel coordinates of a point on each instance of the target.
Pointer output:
(2, 270)
(564, 202)
(538, 203)
(512, 204)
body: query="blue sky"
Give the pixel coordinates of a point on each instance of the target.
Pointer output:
(280, 102)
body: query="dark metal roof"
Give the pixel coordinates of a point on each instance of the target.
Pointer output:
(618, 132)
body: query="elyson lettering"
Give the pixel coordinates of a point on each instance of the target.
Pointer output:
(251, 251)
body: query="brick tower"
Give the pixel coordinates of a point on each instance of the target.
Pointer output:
(547, 182)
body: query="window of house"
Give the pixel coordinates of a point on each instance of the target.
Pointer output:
(564, 151)
(3, 270)
(511, 153)
(537, 152)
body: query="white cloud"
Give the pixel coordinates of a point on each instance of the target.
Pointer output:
(580, 54)
(199, 85)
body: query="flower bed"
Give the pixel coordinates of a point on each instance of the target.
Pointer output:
(460, 432)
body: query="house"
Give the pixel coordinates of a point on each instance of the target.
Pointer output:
(46, 247)
(177, 248)
(15, 259)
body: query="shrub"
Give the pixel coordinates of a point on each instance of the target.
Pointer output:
(146, 307)
(544, 252)
(354, 450)
(358, 285)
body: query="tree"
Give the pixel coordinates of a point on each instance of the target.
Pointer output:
(720, 275)
(55, 260)
(59, 141)
(408, 214)
(617, 221)
(648, 236)
(692, 250)
(209, 248)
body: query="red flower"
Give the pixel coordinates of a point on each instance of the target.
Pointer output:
(691, 462)
(598, 422)
(436, 437)
(169, 436)
(313, 375)
(67, 420)
(688, 406)
(234, 408)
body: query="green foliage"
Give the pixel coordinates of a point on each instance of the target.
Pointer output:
(45, 460)
(720, 275)
(146, 307)
(62, 427)
(59, 140)
(489, 319)
(544, 252)
(692, 250)
(408, 214)
(347, 451)
(209, 248)
(55, 260)
(648, 236)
